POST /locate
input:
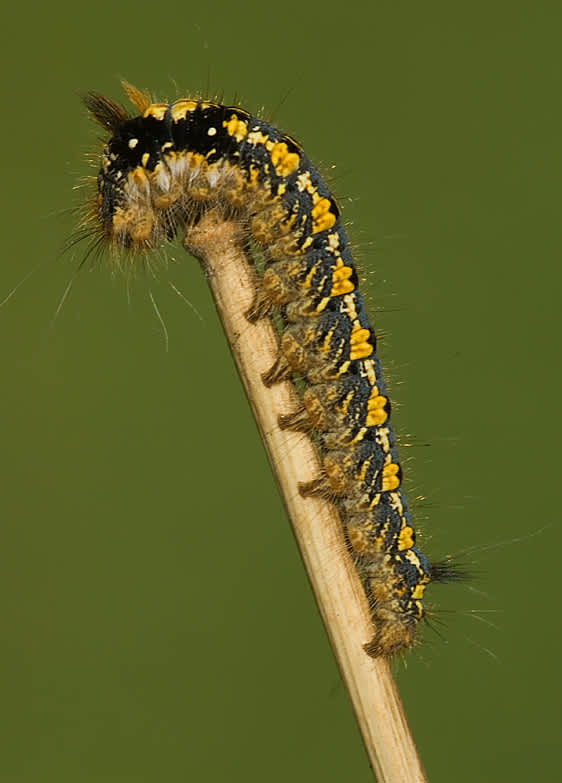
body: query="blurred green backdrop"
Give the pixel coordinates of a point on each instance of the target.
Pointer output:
(158, 626)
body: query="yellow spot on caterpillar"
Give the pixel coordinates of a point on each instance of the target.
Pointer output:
(322, 218)
(333, 241)
(396, 502)
(304, 182)
(157, 110)
(284, 162)
(348, 301)
(341, 284)
(376, 414)
(383, 438)
(417, 595)
(236, 127)
(369, 367)
(361, 351)
(406, 538)
(145, 158)
(412, 557)
(390, 477)
(257, 137)
(360, 347)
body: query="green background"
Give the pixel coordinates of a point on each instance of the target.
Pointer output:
(156, 622)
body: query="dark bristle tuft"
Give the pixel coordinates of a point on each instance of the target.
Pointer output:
(448, 571)
(105, 112)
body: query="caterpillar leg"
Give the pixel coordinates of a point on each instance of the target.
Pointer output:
(393, 633)
(318, 487)
(279, 371)
(260, 308)
(298, 421)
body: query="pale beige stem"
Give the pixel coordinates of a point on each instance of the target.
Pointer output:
(316, 523)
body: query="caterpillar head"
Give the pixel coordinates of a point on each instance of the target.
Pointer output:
(132, 184)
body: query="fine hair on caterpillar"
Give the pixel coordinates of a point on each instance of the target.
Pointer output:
(163, 169)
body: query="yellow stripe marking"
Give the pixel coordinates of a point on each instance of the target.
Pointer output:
(236, 128)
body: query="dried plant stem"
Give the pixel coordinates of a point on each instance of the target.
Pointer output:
(218, 244)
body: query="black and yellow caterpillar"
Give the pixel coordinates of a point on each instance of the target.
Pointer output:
(159, 171)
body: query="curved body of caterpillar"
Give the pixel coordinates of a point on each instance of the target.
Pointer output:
(159, 171)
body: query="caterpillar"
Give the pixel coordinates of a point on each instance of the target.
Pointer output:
(160, 170)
